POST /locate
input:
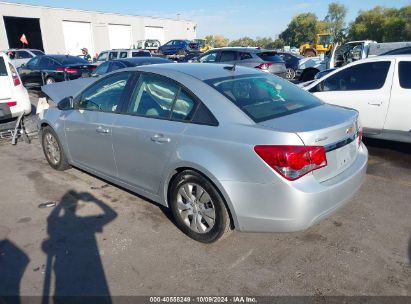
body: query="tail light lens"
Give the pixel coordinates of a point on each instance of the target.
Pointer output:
(265, 65)
(292, 162)
(12, 104)
(14, 75)
(359, 134)
(68, 70)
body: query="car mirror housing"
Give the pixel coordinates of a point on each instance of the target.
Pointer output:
(66, 104)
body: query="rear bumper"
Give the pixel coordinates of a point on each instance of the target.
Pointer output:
(293, 206)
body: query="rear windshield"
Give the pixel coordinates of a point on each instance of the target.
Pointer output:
(270, 56)
(264, 97)
(3, 69)
(72, 60)
(37, 53)
(140, 54)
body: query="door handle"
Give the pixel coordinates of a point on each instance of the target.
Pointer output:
(102, 130)
(159, 138)
(375, 103)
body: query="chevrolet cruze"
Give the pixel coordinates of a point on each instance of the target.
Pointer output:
(222, 146)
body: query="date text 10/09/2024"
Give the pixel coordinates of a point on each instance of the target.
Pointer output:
(201, 299)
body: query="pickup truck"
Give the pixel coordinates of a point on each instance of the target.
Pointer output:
(343, 55)
(379, 88)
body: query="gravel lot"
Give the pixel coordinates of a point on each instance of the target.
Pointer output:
(105, 240)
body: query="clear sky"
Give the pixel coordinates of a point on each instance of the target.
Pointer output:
(231, 18)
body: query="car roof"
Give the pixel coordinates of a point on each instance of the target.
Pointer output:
(23, 50)
(201, 71)
(243, 48)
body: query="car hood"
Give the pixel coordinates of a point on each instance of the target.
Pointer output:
(58, 91)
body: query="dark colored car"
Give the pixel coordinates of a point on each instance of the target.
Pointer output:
(291, 63)
(113, 65)
(401, 51)
(257, 58)
(178, 47)
(48, 69)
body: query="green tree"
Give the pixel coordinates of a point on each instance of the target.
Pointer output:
(302, 28)
(382, 24)
(245, 41)
(217, 40)
(335, 20)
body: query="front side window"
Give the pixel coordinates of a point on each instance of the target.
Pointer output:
(264, 97)
(210, 57)
(140, 54)
(405, 74)
(112, 55)
(365, 76)
(104, 95)
(117, 65)
(153, 97)
(228, 56)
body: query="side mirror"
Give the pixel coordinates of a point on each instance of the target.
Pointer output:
(66, 104)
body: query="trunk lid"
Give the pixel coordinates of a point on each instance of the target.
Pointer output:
(335, 128)
(5, 83)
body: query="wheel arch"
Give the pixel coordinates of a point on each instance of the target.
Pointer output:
(207, 175)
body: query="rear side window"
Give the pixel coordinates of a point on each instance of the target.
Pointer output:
(244, 56)
(269, 56)
(405, 74)
(37, 52)
(184, 107)
(365, 76)
(228, 56)
(3, 69)
(140, 54)
(22, 55)
(123, 55)
(264, 97)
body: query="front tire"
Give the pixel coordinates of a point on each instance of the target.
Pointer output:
(198, 209)
(53, 150)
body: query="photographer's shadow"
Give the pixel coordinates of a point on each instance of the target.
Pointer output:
(72, 251)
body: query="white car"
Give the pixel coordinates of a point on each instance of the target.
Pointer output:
(21, 56)
(379, 88)
(14, 98)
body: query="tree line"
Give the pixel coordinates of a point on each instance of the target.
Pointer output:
(380, 24)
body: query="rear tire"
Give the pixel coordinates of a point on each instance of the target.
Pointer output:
(53, 150)
(290, 73)
(198, 208)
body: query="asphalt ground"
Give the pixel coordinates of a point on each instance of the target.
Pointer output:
(103, 240)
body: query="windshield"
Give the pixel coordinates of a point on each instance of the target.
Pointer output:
(324, 40)
(263, 97)
(348, 53)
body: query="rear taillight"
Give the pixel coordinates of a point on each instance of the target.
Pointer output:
(68, 70)
(265, 65)
(292, 162)
(359, 135)
(11, 104)
(14, 75)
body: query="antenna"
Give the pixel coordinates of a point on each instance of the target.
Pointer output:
(231, 68)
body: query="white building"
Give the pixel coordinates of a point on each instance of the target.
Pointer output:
(66, 31)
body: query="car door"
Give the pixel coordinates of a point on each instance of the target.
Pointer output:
(25, 71)
(88, 127)
(399, 112)
(146, 136)
(365, 87)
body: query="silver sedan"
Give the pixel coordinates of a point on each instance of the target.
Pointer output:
(223, 146)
